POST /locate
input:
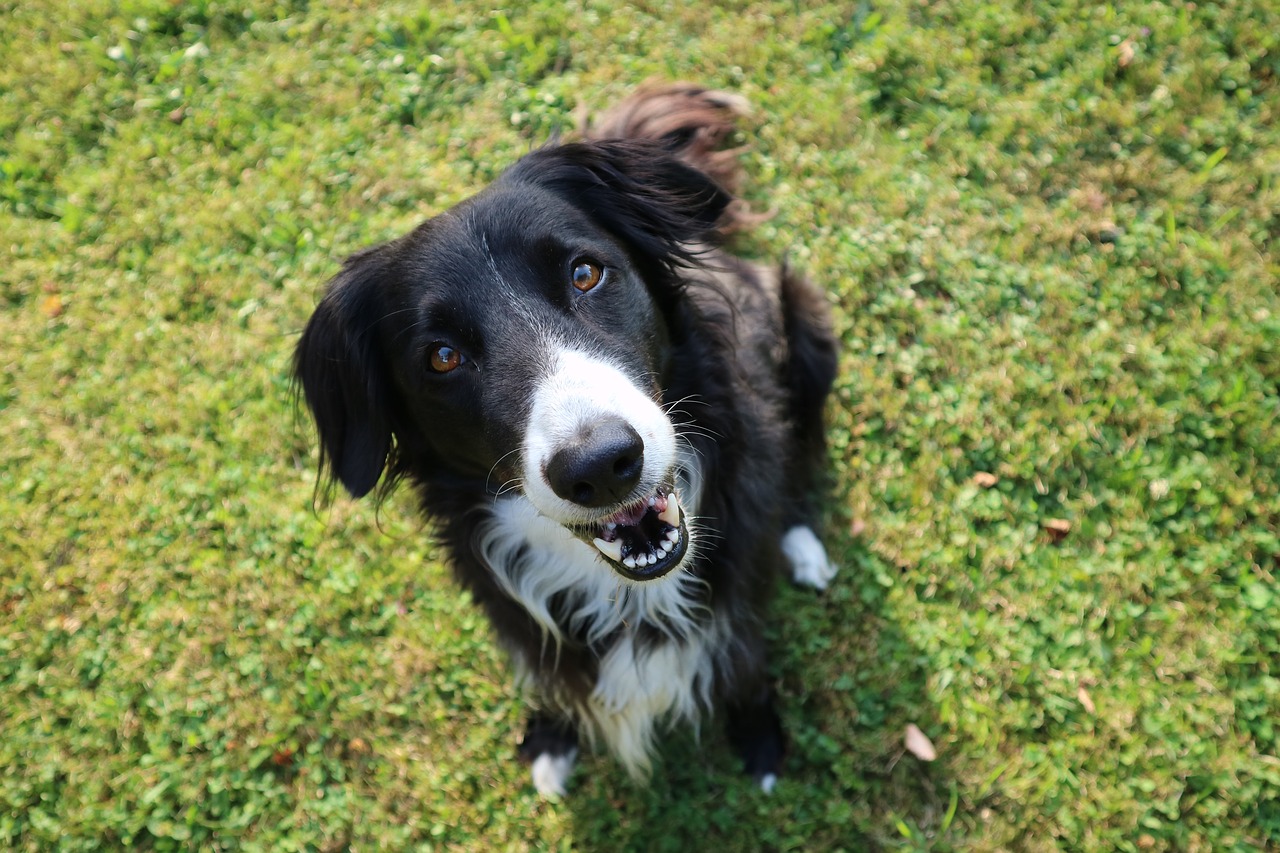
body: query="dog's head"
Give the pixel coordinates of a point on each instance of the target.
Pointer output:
(520, 341)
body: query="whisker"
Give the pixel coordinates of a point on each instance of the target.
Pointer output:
(511, 485)
(699, 429)
(388, 316)
(690, 398)
(696, 429)
(705, 531)
(495, 467)
(691, 447)
(690, 425)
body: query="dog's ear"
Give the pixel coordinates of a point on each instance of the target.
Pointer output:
(338, 366)
(635, 188)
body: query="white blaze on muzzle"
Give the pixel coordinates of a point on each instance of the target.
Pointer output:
(579, 391)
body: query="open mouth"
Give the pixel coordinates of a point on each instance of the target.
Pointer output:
(644, 540)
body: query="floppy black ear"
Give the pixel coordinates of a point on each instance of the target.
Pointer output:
(636, 189)
(339, 369)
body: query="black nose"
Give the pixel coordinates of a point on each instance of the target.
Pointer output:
(602, 467)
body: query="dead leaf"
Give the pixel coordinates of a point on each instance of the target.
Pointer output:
(1057, 528)
(985, 479)
(918, 743)
(1086, 701)
(857, 527)
(51, 305)
(1125, 52)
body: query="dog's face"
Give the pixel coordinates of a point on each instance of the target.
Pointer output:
(520, 341)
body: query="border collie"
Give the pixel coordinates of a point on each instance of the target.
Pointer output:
(614, 425)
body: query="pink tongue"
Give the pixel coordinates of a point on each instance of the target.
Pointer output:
(631, 515)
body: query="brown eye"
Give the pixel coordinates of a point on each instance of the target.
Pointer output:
(444, 358)
(586, 274)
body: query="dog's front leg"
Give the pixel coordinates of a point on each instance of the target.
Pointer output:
(550, 746)
(756, 733)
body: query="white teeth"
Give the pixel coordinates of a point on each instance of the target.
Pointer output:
(661, 549)
(612, 550)
(671, 515)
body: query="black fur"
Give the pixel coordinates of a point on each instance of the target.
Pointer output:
(748, 350)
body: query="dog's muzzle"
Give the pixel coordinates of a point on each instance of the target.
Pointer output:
(600, 459)
(647, 537)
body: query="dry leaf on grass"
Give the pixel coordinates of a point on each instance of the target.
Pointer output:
(985, 479)
(1086, 701)
(1057, 528)
(918, 743)
(1125, 52)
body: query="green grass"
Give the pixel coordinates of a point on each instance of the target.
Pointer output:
(1050, 231)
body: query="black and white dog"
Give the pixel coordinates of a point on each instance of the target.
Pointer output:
(615, 425)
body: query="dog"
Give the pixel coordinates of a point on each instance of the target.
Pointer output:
(614, 424)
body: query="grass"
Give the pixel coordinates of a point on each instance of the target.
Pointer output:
(1050, 231)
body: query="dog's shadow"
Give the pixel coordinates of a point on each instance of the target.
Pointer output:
(849, 683)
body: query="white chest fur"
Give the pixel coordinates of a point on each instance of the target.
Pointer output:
(638, 684)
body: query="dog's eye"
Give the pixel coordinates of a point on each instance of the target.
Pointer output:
(444, 358)
(586, 274)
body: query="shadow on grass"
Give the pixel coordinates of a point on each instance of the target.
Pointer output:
(848, 682)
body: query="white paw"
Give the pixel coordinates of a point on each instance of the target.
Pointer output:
(767, 781)
(550, 772)
(809, 563)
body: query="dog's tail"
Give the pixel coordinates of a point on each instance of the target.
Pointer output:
(694, 123)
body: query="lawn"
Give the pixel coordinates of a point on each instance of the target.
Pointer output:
(1051, 235)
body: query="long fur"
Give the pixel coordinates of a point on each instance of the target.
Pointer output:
(718, 368)
(695, 124)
